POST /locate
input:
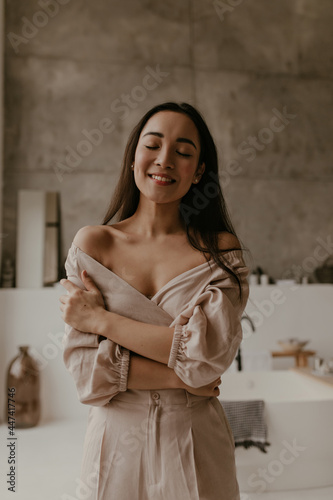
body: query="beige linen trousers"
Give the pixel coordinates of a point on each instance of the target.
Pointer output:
(163, 444)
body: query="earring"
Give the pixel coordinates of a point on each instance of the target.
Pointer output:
(132, 166)
(196, 180)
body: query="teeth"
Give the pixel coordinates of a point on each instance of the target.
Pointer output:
(164, 179)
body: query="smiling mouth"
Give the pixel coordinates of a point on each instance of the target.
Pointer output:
(161, 179)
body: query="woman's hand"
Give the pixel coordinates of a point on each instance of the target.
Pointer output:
(82, 309)
(210, 390)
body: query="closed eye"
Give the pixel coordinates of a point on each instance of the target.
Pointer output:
(183, 154)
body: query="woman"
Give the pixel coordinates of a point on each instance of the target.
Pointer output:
(152, 315)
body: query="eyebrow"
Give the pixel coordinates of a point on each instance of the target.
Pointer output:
(179, 139)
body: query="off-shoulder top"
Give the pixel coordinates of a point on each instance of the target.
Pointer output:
(201, 304)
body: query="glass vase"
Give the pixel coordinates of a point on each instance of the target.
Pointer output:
(23, 381)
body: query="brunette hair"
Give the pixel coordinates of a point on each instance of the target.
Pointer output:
(203, 208)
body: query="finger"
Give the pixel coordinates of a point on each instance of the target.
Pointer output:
(88, 282)
(70, 287)
(216, 382)
(63, 299)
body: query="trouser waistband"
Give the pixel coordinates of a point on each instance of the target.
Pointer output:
(160, 397)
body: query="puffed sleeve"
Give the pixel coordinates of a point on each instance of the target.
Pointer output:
(207, 334)
(98, 365)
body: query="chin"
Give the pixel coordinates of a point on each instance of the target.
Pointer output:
(157, 198)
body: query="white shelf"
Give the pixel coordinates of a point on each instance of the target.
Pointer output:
(310, 285)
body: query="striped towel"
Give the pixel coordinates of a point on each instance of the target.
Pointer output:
(246, 419)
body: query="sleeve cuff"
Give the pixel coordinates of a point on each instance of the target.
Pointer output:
(177, 337)
(124, 367)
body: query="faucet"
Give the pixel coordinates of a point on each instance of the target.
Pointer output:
(239, 354)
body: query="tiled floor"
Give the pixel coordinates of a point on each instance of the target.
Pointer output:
(315, 494)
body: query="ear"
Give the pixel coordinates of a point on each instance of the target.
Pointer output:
(200, 170)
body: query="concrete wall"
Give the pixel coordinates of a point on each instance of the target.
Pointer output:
(2, 339)
(2, 22)
(78, 65)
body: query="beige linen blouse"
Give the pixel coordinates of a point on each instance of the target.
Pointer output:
(202, 304)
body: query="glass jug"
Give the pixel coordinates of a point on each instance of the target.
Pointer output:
(23, 376)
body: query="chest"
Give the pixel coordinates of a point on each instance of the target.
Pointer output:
(148, 271)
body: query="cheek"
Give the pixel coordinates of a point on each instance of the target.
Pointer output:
(141, 157)
(188, 170)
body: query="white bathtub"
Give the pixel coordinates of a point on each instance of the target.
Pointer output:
(299, 417)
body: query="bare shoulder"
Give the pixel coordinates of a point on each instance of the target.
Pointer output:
(228, 241)
(93, 239)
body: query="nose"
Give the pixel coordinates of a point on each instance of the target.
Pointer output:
(165, 158)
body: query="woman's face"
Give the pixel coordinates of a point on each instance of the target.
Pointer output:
(167, 157)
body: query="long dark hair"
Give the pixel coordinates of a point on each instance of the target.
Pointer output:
(203, 208)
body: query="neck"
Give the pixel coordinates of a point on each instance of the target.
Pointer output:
(157, 219)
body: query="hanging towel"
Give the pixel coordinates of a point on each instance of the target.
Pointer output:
(246, 419)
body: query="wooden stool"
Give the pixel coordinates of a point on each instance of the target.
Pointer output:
(301, 357)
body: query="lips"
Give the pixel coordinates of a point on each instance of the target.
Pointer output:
(162, 178)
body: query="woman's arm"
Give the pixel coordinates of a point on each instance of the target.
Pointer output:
(145, 374)
(151, 341)
(85, 311)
